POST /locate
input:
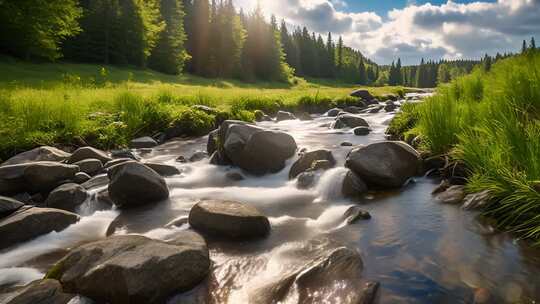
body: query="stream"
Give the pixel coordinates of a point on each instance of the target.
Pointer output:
(420, 251)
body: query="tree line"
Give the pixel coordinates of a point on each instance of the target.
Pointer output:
(209, 38)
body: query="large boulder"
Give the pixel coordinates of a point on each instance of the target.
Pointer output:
(349, 121)
(283, 115)
(47, 291)
(133, 269)
(333, 112)
(453, 195)
(143, 142)
(45, 176)
(363, 94)
(30, 222)
(386, 164)
(8, 206)
(256, 150)
(134, 184)
(229, 219)
(90, 166)
(66, 197)
(86, 153)
(44, 153)
(353, 186)
(307, 159)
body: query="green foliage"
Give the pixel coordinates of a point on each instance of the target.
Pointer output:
(193, 122)
(36, 28)
(490, 120)
(403, 121)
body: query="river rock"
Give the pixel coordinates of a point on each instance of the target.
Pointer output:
(283, 115)
(228, 219)
(350, 121)
(66, 197)
(8, 206)
(305, 180)
(363, 94)
(132, 269)
(307, 159)
(212, 144)
(30, 222)
(134, 184)
(476, 201)
(45, 176)
(387, 164)
(322, 164)
(304, 116)
(81, 178)
(356, 213)
(96, 181)
(390, 107)
(256, 150)
(117, 161)
(86, 153)
(198, 156)
(261, 116)
(143, 142)
(361, 131)
(353, 109)
(353, 186)
(333, 112)
(47, 291)
(163, 169)
(90, 166)
(453, 195)
(43, 153)
(124, 153)
(346, 144)
(326, 269)
(369, 293)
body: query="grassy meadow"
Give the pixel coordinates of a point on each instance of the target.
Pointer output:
(491, 122)
(67, 104)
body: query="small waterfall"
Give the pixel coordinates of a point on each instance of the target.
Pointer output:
(330, 183)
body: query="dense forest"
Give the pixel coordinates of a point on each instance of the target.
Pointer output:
(201, 37)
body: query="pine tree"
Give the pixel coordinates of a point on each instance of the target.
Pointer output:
(524, 47)
(200, 36)
(487, 63)
(340, 54)
(169, 54)
(331, 57)
(37, 28)
(532, 44)
(362, 74)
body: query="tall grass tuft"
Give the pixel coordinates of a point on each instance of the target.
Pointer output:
(491, 122)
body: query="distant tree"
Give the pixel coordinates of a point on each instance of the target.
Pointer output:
(362, 73)
(443, 74)
(340, 54)
(169, 54)
(330, 57)
(36, 28)
(487, 63)
(524, 47)
(200, 36)
(532, 44)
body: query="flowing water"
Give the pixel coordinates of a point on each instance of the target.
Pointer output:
(419, 250)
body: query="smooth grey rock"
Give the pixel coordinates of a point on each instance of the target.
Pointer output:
(228, 219)
(117, 161)
(133, 269)
(81, 178)
(47, 291)
(30, 222)
(355, 213)
(45, 176)
(283, 115)
(8, 206)
(86, 153)
(66, 197)
(90, 166)
(197, 156)
(361, 131)
(163, 169)
(43, 153)
(134, 184)
(387, 164)
(307, 159)
(143, 142)
(477, 201)
(305, 180)
(353, 186)
(363, 94)
(452, 195)
(350, 121)
(333, 112)
(96, 181)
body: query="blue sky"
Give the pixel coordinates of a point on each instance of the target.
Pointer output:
(385, 30)
(381, 7)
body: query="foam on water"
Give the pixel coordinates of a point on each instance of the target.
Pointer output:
(19, 275)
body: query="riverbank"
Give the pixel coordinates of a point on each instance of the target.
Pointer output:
(487, 125)
(72, 105)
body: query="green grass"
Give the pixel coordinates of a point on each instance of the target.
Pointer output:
(106, 106)
(491, 122)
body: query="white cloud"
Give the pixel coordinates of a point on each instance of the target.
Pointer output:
(449, 30)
